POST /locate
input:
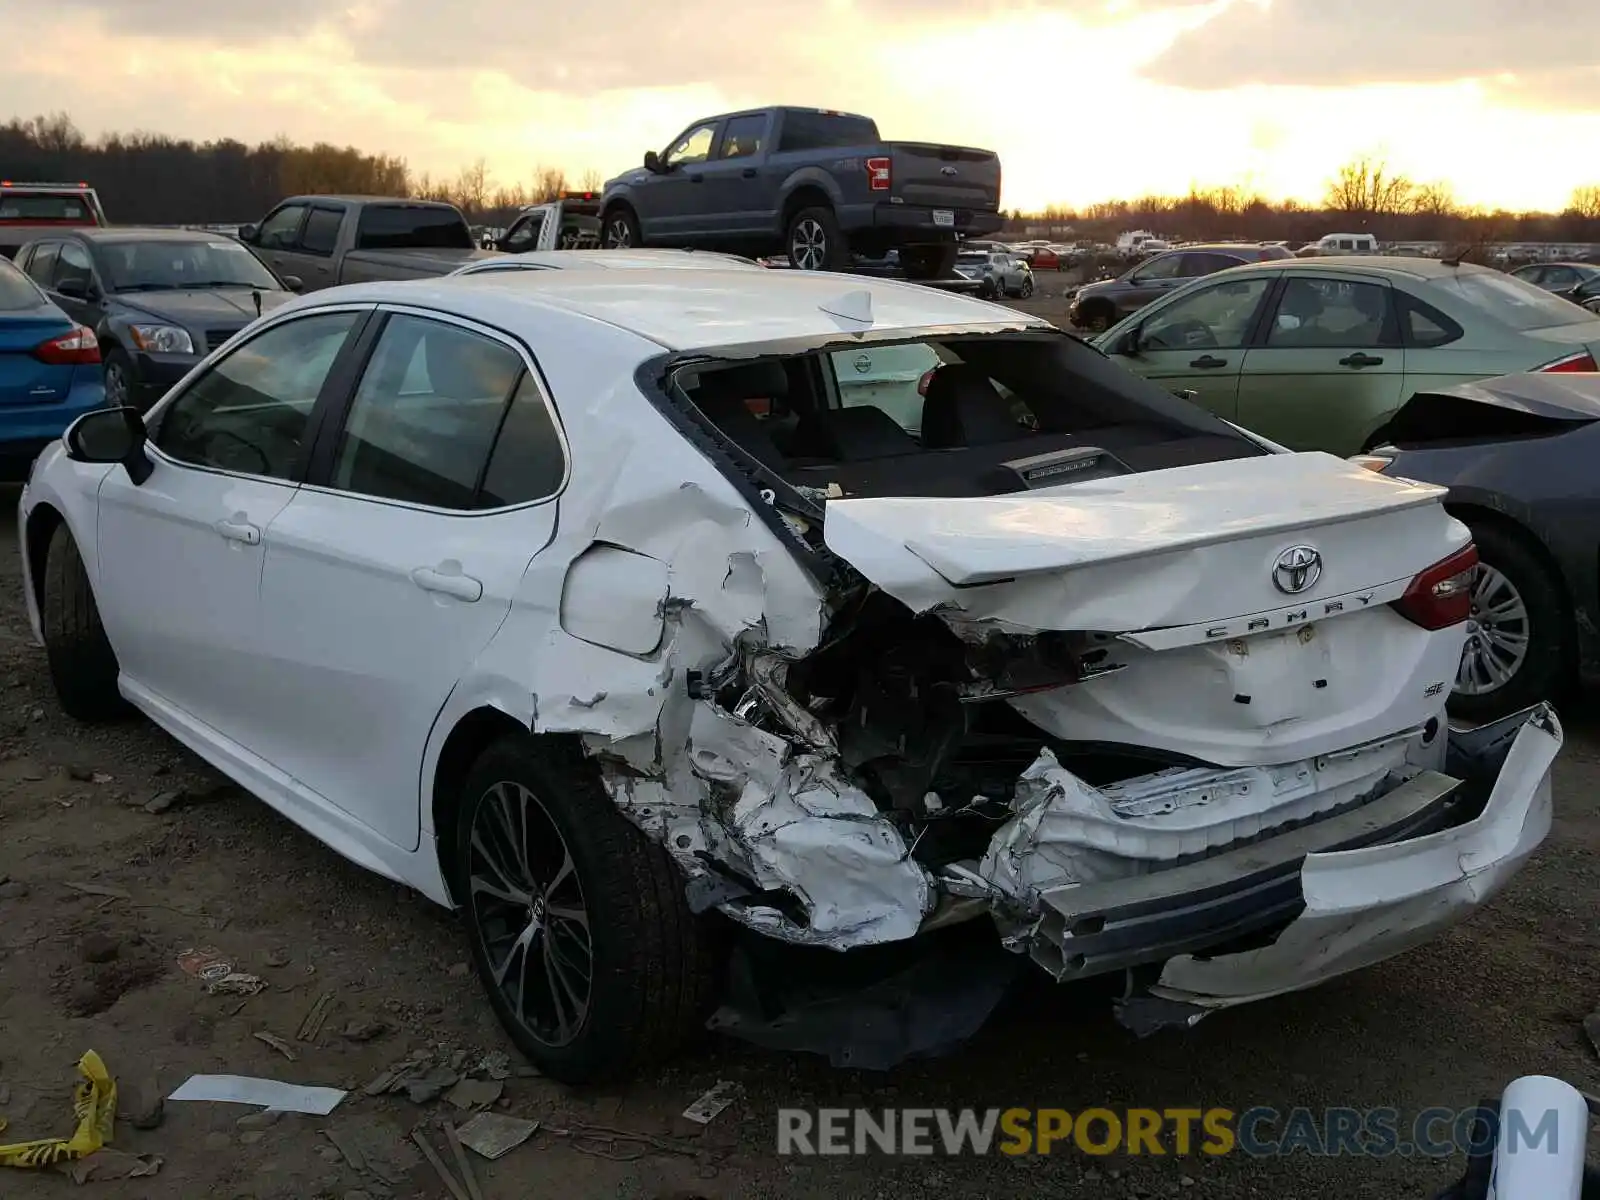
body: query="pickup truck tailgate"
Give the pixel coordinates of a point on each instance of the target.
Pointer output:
(945, 176)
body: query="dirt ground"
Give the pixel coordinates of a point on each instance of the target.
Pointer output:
(119, 851)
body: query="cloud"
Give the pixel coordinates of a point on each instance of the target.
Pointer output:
(1577, 90)
(1320, 44)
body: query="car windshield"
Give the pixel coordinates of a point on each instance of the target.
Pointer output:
(43, 206)
(16, 289)
(971, 415)
(167, 264)
(1511, 301)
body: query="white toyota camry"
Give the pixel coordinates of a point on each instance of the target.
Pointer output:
(597, 606)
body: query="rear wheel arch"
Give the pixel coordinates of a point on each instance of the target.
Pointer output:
(473, 734)
(807, 195)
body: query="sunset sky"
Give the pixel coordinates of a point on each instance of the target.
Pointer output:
(1084, 99)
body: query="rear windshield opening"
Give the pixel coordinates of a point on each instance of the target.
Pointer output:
(1511, 301)
(959, 416)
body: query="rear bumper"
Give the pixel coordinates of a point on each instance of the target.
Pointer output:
(913, 224)
(25, 430)
(1340, 894)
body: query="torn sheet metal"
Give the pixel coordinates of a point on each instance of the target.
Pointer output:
(1363, 906)
(1067, 832)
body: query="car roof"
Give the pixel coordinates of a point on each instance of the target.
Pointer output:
(136, 233)
(614, 259)
(695, 310)
(1217, 246)
(1373, 264)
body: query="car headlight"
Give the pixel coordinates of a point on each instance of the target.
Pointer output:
(162, 339)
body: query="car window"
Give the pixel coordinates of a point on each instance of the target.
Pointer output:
(1533, 274)
(1163, 266)
(17, 291)
(527, 462)
(1511, 302)
(42, 266)
(321, 233)
(1330, 313)
(249, 412)
(425, 414)
(72, 262)
(804, 130)
(1425, 326)
(524, 233)
(1559, 277)
(167, 263)
(743, 136)
(887, 377)
(1196, 265)
(1216, 317)
(278, 231)
(692, 147)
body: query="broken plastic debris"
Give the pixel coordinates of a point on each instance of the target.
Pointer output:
(94, 1103)
(276, 1042)
(474, 1093)
(705, 1110)
(493, 1135)
(260, 1093)
(216, 970)
(107, 1163)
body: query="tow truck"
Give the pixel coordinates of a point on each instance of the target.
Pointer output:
(29, 210)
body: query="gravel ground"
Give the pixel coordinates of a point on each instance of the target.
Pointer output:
(119, 851)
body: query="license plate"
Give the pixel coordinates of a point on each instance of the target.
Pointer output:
(944, 217)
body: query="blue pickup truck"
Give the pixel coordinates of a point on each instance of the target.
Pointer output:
(816, 185)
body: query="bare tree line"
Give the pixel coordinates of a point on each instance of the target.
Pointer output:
(151, 178)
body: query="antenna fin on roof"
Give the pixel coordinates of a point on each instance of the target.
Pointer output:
(851, 306)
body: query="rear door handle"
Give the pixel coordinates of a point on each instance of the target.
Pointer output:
(1186, 393)
(447, 580)
(1206, 363)
(748, 172)
(237, 529)
(1359, 359)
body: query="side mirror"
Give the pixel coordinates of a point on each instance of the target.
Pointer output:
(249, 233)
(77, 289)
(294, 283)
(110, 435)
(652, 162)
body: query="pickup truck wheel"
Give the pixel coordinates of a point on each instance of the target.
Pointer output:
(83, 666)
(621, 230)
(579, 926)
(1517, 634)
(929, 262)
(815, 241)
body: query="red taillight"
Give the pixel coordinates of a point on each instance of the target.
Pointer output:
(77, 348)
(1442, 595)
(879, 174)
(1581, 361)
(927, 378)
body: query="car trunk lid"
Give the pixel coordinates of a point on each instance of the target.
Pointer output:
(24, 379)
(1234, 611)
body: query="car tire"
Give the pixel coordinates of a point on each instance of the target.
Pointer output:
(119, 379)
(1513, 572)
(1097, 318)
(620, 229)
(929, 262)
(814, 242)
(1027, 287)
(603, 891)
(83, 666)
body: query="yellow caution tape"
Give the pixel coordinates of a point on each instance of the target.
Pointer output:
(94, 1104)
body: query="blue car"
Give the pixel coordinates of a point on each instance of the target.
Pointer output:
(49, 371)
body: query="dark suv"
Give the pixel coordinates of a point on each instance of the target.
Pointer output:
(1100, 305)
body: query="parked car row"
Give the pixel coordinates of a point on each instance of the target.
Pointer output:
(708, 643)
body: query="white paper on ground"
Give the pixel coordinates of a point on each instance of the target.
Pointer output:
(262, 1093)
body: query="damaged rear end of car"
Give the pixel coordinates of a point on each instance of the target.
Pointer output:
(1055, 650)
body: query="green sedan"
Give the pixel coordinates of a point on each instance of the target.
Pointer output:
(1318, 353)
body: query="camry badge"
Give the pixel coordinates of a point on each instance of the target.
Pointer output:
(1296, 569)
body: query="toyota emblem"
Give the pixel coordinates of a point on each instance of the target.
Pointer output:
(1296, 569)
